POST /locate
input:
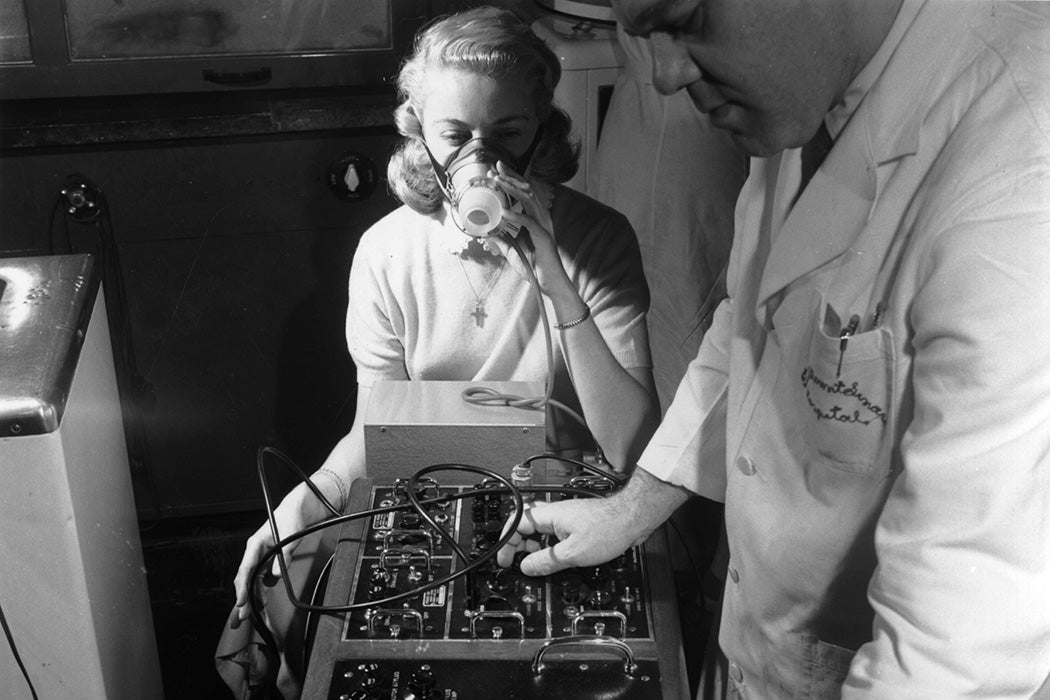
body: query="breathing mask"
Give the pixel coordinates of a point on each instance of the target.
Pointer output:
(477, 199)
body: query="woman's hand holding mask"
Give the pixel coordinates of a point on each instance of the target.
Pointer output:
(536, 217)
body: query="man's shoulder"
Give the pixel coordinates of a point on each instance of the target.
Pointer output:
(1018, 33)
(1004, 92)
(981, 84)
(1010, 49)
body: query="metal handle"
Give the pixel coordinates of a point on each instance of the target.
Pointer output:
(246, 78)
(629, 666)
(497, 615)
(395, 539)
(403, 613)
(611, 614)
(403, 556)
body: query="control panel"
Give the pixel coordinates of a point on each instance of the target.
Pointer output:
(427, 614)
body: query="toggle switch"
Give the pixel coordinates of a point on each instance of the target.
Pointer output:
(414, 574)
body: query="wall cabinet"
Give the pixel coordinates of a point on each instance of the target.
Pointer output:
(68, 48)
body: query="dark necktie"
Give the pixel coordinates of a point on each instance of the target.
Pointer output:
(813, 154)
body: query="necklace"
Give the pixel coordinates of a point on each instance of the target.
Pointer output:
(479, 299)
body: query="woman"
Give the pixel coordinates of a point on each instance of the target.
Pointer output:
(429, 302)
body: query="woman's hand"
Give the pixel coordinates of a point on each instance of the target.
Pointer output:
(299, 509)
(536, 217)
(619, 404)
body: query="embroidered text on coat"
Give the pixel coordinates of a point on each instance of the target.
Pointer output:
(847, 391)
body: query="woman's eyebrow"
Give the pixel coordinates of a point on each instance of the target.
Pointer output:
(452, 121)
(513, 118)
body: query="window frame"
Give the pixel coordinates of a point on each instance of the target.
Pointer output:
(53, 73)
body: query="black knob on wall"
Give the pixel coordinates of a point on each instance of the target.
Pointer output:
(352, 177)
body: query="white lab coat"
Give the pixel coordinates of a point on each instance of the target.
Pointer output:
(889, 523)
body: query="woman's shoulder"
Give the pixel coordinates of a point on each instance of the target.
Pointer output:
(399, 229)
(402, 218)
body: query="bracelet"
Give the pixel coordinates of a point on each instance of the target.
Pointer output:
(339, 484)
(576, 321)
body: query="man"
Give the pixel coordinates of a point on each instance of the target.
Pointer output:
(872, 402)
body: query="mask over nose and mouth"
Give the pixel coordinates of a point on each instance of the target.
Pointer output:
(477, 199)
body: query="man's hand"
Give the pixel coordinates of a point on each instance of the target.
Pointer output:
(589, 532)
(592, 531)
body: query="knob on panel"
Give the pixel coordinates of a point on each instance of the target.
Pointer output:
(352, 177)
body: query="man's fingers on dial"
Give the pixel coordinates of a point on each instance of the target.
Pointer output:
(542, 562)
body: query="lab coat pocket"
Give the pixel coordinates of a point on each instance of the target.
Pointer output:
(824, 667)
(846, 395)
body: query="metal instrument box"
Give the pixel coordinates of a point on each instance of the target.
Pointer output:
(413, 424)
(607, 632)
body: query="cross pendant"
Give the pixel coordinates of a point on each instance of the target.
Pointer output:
(479, 314)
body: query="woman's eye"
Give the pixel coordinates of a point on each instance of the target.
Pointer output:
(455, 139)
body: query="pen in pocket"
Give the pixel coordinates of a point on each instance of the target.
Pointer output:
(876, 316)
(848, 330)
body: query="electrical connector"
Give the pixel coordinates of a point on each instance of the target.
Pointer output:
(81, 199)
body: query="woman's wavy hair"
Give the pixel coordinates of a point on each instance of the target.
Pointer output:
(490, 42)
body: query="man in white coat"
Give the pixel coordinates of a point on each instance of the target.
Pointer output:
(872, 402)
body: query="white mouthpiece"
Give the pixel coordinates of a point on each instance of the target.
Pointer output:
(480, 210)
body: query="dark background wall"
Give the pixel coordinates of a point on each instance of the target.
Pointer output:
(234, 254)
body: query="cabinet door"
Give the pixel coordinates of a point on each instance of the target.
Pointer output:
(14, 32)
(113, 29)
(105, 48)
